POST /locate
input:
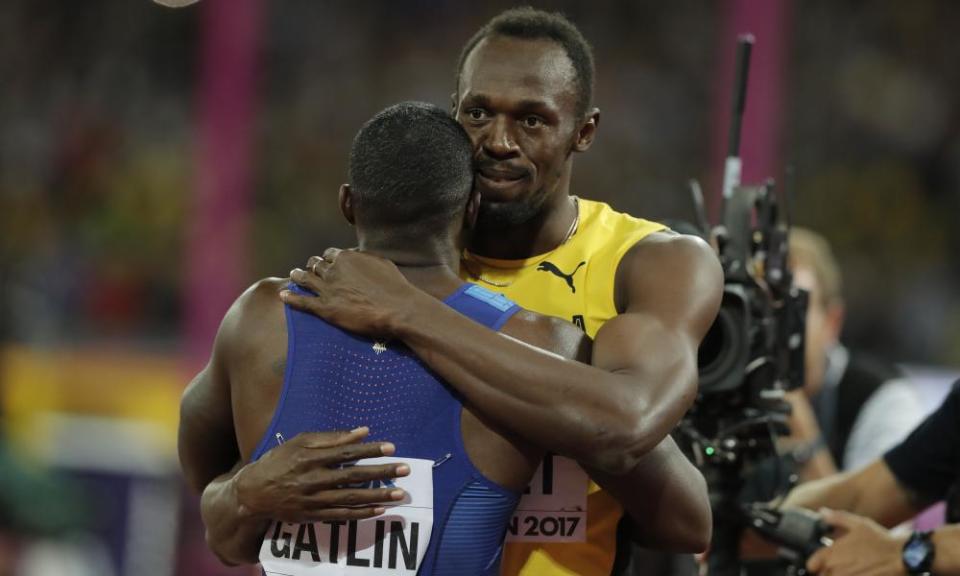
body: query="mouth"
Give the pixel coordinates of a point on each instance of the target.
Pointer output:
(499, 180)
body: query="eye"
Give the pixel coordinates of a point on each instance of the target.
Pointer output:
(477, 113)
(533, 121)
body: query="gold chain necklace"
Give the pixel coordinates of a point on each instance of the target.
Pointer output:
(566, 238)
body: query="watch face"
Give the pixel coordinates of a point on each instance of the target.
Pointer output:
(914, 553)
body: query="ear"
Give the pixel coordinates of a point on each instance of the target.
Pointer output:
(587, 132)
(346, 203)
(834, 320)
(470, 214)
(453, 104)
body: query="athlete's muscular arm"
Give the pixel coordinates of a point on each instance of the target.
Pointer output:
(208, 448)
(665, 492)
(607, 416)
(224, 412)
(207, 444)
(666, 496)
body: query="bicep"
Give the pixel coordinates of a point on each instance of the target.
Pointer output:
(669, 291)
(206, 442)
(676, 278)
(251, 336)
(549, 334)
(879, 495)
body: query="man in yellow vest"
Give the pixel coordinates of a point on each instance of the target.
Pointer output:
(644, 294)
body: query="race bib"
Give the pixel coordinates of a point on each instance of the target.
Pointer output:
(554, 507)
(393, 543)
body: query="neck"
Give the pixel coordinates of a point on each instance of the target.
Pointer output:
(544, 232)
(433, 267)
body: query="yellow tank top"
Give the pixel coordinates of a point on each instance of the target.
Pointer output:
(575, 281)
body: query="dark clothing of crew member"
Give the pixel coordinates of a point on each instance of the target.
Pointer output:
(927, 463)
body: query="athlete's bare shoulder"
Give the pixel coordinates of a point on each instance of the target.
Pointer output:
(668, 261)
(670, 244)
(253, 347)
(667, 250)
(552, 334)
(254, 328)
(261, 296)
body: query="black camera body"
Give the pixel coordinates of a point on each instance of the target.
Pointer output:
(752, 354)
(754, 351)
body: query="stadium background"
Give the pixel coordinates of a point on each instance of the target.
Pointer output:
(154, 162)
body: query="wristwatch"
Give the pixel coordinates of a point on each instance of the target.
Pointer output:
(918, 554)
(805, 452)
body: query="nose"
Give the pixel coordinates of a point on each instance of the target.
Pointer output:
(499, 141)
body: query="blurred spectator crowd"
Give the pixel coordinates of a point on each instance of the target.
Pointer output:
(98, 144)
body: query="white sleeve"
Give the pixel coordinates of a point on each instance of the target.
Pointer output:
(886, 418)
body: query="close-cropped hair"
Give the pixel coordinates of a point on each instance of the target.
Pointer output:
(410, 165)
(530, 24)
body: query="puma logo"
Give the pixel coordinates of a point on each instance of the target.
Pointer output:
(568, 278)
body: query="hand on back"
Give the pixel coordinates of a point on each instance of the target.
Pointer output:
(312, 478)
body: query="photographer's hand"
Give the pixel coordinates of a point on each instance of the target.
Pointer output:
(861, 546)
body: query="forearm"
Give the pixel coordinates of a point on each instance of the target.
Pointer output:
(872, 492)
(836, 492)
(207, 447)
(684, 520)
(667, 500)
(232, 533)
(819, 466)
(946, 541)
(946, 559)
(600, 418)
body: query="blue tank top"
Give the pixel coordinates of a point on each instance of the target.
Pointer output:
(336, 380)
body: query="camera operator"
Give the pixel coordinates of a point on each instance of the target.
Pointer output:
(852, 407)
(921, 470)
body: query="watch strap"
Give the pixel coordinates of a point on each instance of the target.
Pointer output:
(923, 540)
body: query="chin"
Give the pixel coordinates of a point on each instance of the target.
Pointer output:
(501, 195)
(499, 215)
